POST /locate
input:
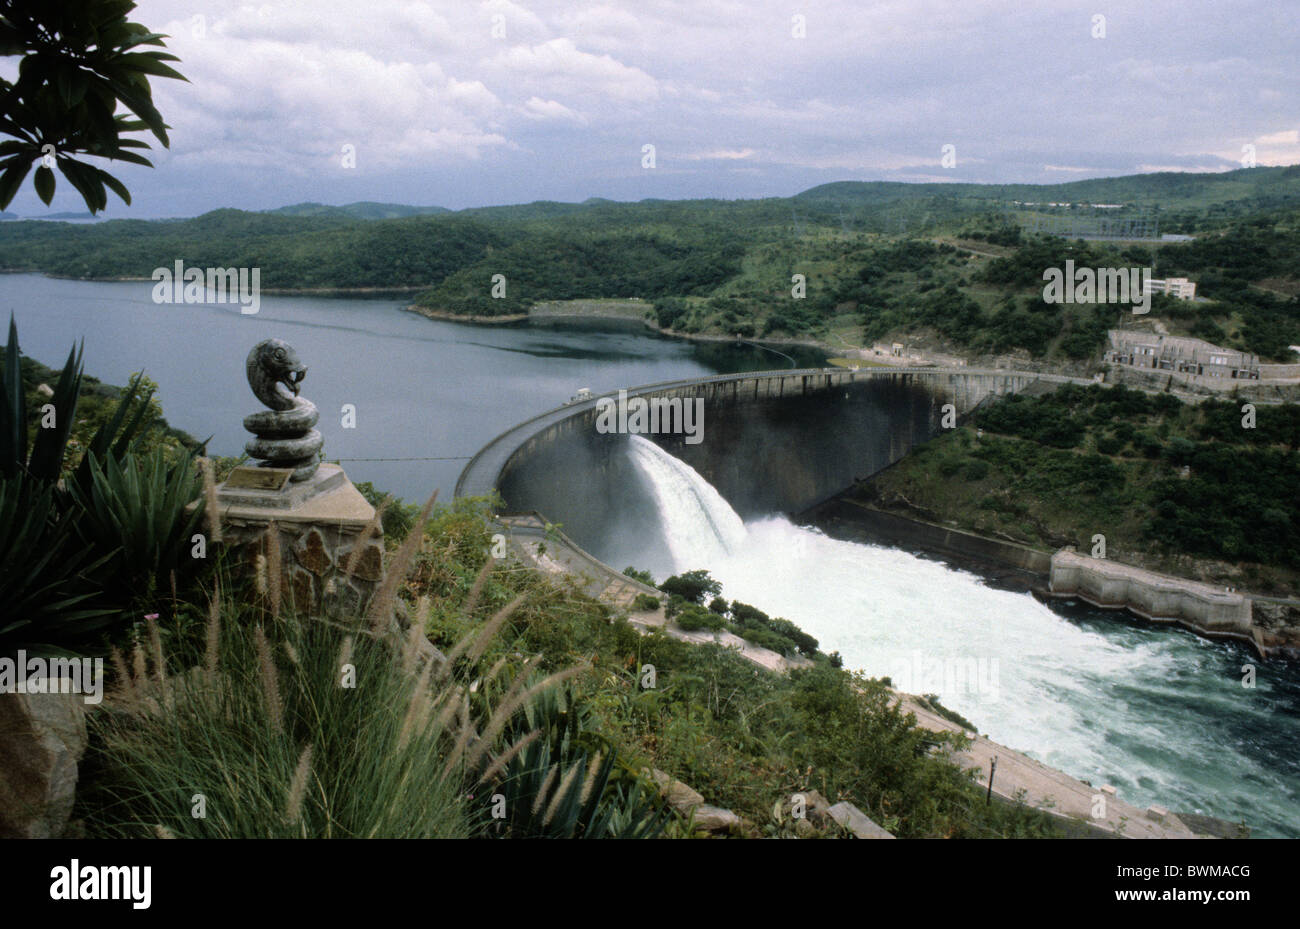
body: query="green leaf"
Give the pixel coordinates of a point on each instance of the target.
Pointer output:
(148, 63)
(13, 179)
(114, 184)
(44, 184)
(51, 444)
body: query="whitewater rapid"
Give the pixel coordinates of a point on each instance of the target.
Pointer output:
(1159, 713)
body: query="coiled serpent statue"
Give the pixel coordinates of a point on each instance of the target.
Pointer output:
(284, 434)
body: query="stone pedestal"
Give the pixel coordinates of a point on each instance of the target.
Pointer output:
(319, 522)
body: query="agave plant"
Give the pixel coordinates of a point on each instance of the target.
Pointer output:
(46, 576)
(46, 459)
(135, 507)
(572, 783)
(112, 524)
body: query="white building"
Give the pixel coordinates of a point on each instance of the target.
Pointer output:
(1179, 287)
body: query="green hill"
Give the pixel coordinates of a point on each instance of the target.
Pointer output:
(944, 266)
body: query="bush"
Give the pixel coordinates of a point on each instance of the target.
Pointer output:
(398, 516)
(692, 586)
(275, 745)
(136, 509)
(694, 617)
(638, 575)
(1109, 444)
(743, 613)
(644, 602)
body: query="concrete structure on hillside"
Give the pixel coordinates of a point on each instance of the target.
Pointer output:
(1179, 354)
(1178, 287)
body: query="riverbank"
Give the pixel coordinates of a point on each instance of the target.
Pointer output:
(550, 312)
(1269, 626)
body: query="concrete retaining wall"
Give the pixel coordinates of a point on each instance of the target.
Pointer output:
(842, 516)
(1211, 611)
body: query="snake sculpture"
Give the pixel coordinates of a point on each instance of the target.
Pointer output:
(285, 437)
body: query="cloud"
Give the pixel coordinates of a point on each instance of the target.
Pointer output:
(561, 66)
(537, 108)
(481, 102)
(722, 154)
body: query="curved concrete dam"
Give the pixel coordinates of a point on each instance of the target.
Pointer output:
(770, 442)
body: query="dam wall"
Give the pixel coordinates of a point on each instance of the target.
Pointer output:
(770, 442)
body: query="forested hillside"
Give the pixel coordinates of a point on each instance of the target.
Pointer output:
(947, 265)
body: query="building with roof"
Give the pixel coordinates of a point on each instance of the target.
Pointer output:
(1179, 354)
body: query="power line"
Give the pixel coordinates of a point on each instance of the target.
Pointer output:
(444, 458)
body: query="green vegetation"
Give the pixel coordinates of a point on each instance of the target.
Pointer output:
(1163, 481)
(539, 721)
(93, 521)
(943, 266)
(741, 736)
(645, 602)
(80, 61)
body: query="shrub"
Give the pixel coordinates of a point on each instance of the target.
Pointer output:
(743, 613)
(693, 617)
(276, 746)
(643, 602)
(136, 510)
(397, 517)
(638, 575)
(802, 640)
(692, 586)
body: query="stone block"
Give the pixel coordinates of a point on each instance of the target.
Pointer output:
(857, 822)
(680, 797)
(312, 554)
(320, 521)
(715, 819)
(42, 737)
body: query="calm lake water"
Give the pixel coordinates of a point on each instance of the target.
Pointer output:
(1157, 712)
(422, 388)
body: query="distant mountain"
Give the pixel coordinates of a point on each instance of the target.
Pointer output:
(364, 209)
(1168, 190)
(62, 217)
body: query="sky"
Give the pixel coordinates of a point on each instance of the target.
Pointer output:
(461, 103)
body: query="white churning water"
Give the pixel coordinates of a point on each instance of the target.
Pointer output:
(1158, 713)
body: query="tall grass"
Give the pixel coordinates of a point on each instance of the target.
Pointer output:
(287, 726)
(280, 725)
(268, 741)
